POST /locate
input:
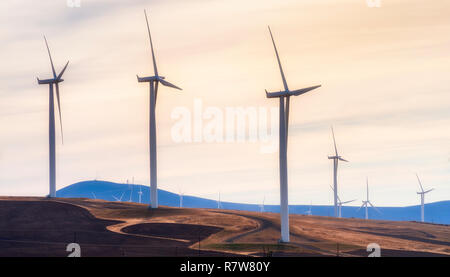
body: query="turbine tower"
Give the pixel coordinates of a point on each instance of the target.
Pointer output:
(261, 207)
(51, 129)
(422, 199)
(336, 158)
(181, 199)
(340, 204)
(367, 202)
(153, 81)
(131, 194)
(219, 204)
(309, 212)
(140, 194)
(284, 96)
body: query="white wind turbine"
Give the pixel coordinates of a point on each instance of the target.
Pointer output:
(340, 204)
(140, 194)
(261, 207)
(181, 194)
(153, 81)
(283, 139)
(219, 204)
(309, 212)
(119, 199)
(131, 193)
(336, 158)
(367, 202)
(422, 199)
(51, 129)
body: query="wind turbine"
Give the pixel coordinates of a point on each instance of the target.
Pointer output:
(140, 194)
(422, 199)
(131, 193)
(119, 199)
(219, 204)
(261, 207)
(153, 81)
(340, 204)
(283, 137)
(181, 194)
(367, 202)
(51, 129)
(336, 158)
(309, 212)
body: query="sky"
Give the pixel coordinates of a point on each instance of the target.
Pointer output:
(385, 89)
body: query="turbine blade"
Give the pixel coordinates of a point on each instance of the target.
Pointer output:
(151, 45)
(420, 183)
(334, 141)
(361, 206)
(59, 110)
(167, 84)
(342, 159)
(62, 71)
(50, 56)
(302, 91)
(278, 59)
(428, 191)
(348, 201)
(374, 208)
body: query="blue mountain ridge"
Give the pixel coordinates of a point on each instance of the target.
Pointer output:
(437, 212)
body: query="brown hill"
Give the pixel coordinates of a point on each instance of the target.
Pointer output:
(43, 227)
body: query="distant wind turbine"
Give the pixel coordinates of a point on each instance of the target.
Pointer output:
(131, 194)
(261, 207)
(219, 204)
(309, 212)
(340, 204)
(336, 158)
(153, 81)
(95, 197)
(51, 130)
(422, 199)
(119, 199)
(367, 202)
(283, 137)
(181, 194)
(140, 194)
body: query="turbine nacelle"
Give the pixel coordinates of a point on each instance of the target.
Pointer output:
(423, 192)
(49, 81)
(290, 92)
(337, 158)
(158, 79)
(147, 79)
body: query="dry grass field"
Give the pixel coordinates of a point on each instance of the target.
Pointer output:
(32, 226)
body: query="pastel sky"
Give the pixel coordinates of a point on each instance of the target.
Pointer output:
(385, 76)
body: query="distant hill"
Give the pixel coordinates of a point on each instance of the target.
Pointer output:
(437, 212)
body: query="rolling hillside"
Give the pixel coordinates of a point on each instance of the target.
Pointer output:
(438, 212)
